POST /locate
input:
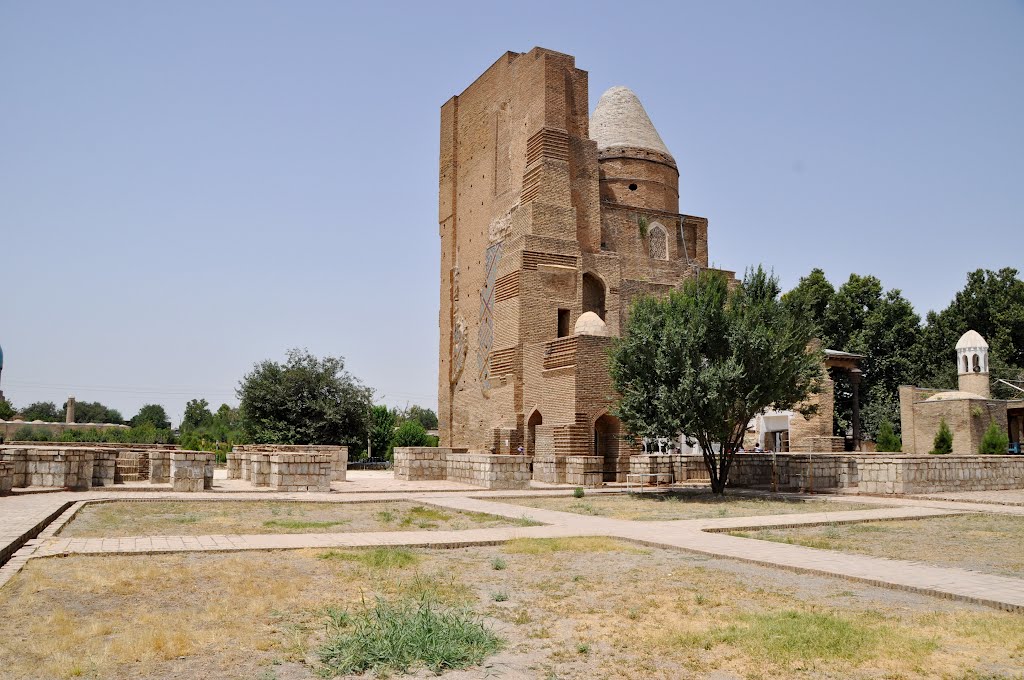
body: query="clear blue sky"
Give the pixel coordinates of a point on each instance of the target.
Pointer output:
(189, 187)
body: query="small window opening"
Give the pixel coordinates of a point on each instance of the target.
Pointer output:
(563, 323)
(632, 187)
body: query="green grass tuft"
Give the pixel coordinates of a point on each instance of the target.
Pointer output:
(375, 558)
(406, 635)
(301, 524)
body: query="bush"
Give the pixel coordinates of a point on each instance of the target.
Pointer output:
(886, 440)
(398, 637)
(409, 433)
(578, 492)
(995, 440)
(27, 433)
(943, 443)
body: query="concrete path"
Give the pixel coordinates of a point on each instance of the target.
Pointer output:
(28, 524)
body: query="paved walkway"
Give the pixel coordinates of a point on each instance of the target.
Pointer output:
(23, 515)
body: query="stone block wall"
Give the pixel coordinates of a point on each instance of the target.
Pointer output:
(301, 471)
(549, 469)
(67, 468)
(160, 467)
(191, 470)
(104, 467)
(667, 467)
(584, 470)
(421, 463)
(6, 476)
(937, 474)
(259, 468)
(235, 465)
(487, 470)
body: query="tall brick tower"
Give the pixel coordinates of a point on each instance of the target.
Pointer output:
(550, 224)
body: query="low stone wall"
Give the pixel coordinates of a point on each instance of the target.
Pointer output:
(549, 469)
(300, 471)
(191, 470)
(487, 470)
(936, 474)
(584, 470)
(160, 467)
(794, 471)
(491, 471)
(65, 467)
(6, 476)
(104, 467)
(235, 464)
(338, 455)
(421, 463)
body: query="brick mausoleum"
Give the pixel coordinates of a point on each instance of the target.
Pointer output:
(551, 222)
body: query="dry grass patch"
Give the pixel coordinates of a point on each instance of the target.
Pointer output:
(673, 506)
(567, 608)
(199, 518)
(989, 543)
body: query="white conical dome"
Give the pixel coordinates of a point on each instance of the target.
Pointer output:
(590, 323)
(621, 121)
(971, 340)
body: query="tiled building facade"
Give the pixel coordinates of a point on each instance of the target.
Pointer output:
(551, 222)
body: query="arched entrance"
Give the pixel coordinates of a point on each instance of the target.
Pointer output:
(593, 295)
(606, 445)
(531, 432)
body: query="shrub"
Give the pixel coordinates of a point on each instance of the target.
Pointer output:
(499, 563)
(409, 433)
(578, 492)
(499, 596)
(398, 637)
(886, 440)
(943, 440)
(995, 440)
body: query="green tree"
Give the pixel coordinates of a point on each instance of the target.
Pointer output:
(382, 430)
(42, 410)
(153, 414)
(197, 415)
(996, 440)
(94, 412)
(887, 441)
(992, 303)
(306, 400)
(424, 416)
(7, 410)
(811, 299)
(706, 359)
(943, 439)
(409, 433)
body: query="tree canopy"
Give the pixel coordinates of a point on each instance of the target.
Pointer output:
(94, 412)
(152, 414)
(197, 415)
(382, 430)
(705, 360)
(306, 400)
(7, 410)
(42, 410)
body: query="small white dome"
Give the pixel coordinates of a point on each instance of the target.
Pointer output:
(971, 340)
(590, 323)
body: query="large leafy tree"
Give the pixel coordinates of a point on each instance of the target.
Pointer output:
(706, 359)
(152, 414)
(197, 415)
(7, 410)
(42, 410)
(305, 400)
(95, 412)
(424, 416)
(382, 430)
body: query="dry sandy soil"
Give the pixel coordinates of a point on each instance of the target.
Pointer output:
(203, 518)
(686, 505)
(582, 608)
(987, 543)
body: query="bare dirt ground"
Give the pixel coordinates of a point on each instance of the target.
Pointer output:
(685, 505)
(202, 518)
(986, 543)
(567, 608)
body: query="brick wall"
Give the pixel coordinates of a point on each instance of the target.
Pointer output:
(300, 471)
(937, 474)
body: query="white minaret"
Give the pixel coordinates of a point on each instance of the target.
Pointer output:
(972, 364)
